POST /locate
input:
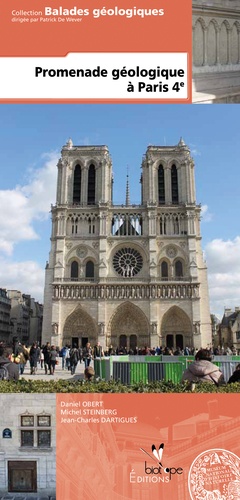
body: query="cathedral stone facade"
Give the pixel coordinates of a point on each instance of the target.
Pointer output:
(126, 275)
(216, 51)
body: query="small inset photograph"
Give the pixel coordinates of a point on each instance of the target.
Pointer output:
(28, 447)
(216, 51)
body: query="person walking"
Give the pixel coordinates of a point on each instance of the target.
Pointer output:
(34, 355)
(87, 354)
(46, 354)
(62, 355)
(53, 359)
(74, 358)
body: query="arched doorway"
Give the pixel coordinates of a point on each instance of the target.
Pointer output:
(79, 329)
(129, 325)
(176, 329)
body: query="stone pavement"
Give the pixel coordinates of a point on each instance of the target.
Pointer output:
(59, 374)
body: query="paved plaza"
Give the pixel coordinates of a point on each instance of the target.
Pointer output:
(59, 373)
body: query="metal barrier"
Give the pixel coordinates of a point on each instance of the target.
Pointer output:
(131, 369)
(121, 371)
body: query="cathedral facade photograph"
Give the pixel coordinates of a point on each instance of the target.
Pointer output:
(128, 276)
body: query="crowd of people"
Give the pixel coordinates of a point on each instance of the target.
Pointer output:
(13, 360)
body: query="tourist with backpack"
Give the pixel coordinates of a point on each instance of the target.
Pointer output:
(74, 358)
(8, 369)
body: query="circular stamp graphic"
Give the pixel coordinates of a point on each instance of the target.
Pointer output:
(215, 475)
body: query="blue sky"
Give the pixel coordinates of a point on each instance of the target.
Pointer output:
(31, 138)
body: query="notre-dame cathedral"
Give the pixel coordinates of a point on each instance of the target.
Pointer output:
(126, 275)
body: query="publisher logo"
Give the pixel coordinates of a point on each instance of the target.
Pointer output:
(155, 469)
(215, 475)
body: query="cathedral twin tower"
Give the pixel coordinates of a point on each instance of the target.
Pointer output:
(126, 275)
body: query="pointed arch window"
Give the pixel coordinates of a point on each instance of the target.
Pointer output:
(163, 225)
(161, 185)
(89, 269)
(174, 180)
(164, 270)
(77, 181)
(178, 269)
(91, 185)
(176, 225)
(74, 270)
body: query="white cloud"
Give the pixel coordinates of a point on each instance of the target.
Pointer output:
(223, 274)
(21, 207)
(27, 277)
(24, 204)
(40, 191)
(205, 214)
(194, 150)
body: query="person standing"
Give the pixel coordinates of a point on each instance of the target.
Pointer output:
(41, 357)
(67, 358)
(34, 358)
(87, 354)
(98, 351)
(53, 359)
(46, 353)
(5, 360)
(74, 358)
(62, 355)
(23, 357)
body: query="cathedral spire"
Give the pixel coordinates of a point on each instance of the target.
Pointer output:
(127, 190)
(181, 142)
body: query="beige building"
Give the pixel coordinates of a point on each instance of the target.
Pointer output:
(216, 51)
(126, 275)
(5, 309)
(26, 318)
(228, 330)
(28, 446)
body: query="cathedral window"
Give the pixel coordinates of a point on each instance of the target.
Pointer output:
(162, 225)
(164, 270)
(89, 269)
(127, 262)
(91, 226)
(175, 225)
(91, 185)
(174, 179)
(161, 185)
(74, 270)
(178, 269)
(77, 184)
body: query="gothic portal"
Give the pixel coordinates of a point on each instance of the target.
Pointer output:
(126, 275)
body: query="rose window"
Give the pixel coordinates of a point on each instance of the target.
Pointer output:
(127, 262)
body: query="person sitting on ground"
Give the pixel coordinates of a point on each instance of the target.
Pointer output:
(5, 360)
(89, 373)
(203, 370)
(235, 377)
